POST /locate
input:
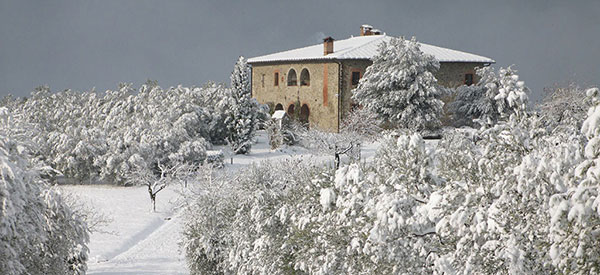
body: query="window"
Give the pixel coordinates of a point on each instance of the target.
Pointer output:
(304, 78)
(278, 107)
(355, 78)
(468, 79)
(262, 80)
(291, 78)
(276, 79)
(304, 114)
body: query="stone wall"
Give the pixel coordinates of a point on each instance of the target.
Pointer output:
(349, 66)
(320, 95)
(452, 74)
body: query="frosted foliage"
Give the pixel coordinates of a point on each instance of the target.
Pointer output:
(495, 217)
(575, 212)
(90, 135)
(362, 124)
(508, 199)
(471, 103)
(511, 96)
(39, 232)
(242, 110)
(400, 87)
(495, 97)
(346, 142)
(565, 107)
(354, 221)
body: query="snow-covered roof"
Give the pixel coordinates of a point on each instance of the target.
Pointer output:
(364, 47)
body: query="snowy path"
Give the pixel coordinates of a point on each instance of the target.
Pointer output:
(158, 253)
(136, 240)
(141, 242)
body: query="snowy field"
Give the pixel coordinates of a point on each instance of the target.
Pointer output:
(138, 241)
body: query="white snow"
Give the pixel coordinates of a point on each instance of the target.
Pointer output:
(138, 241)
(327, 198)
(135, 240)
(279, 114)
(364, 47)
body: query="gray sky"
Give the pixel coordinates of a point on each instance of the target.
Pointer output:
(85, 44)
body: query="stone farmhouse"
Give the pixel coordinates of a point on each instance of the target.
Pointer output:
(314, 83)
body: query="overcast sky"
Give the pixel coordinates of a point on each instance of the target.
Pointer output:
(85, 44)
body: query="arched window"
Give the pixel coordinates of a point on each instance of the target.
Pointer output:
(304, 78)
(304, 114)
(290, 110)
(278, 107)
(291, 78)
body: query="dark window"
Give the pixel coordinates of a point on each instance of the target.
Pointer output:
(304, 114)
(262, 80)
(355, 78)
(278, 107)
(468, 79)
(304, 78)
(276, 77)
(291, 78)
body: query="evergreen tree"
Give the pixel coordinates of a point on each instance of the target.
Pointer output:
(400, 87)
(495, 97)
(243, 110)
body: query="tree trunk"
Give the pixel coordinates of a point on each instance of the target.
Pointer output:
(152, 198)
(337, 160)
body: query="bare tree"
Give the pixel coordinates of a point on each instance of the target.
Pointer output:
(155, 181)
(361, 125)
(564, 105)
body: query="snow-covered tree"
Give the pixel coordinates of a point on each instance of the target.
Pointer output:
(154, 181)
(511, 97)
(564, 107)
(39, 232)
(470, 103)
(267, 220)
(495, 97)
(361, 123)
(333, 144)
(242, 114)
(400, 87)
(492, 214)
(92, 136)
(575, 211)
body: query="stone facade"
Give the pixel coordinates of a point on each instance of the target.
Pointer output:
(320, 97)
(452, 74)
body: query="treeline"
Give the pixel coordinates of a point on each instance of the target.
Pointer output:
(90, 135)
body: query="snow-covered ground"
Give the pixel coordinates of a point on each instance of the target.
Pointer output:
(137, 241)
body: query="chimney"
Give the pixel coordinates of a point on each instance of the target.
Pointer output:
(366, 30)
(327, 45)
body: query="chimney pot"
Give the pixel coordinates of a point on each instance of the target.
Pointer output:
(365, 30)
(327, 45)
